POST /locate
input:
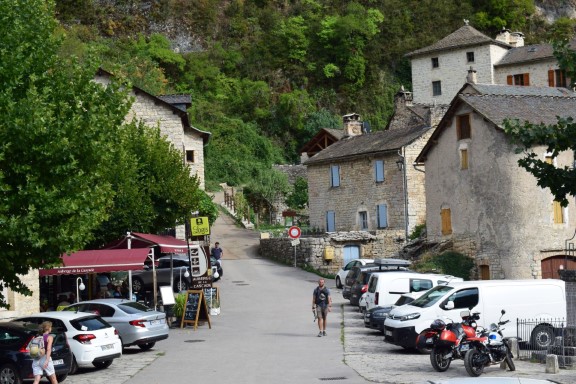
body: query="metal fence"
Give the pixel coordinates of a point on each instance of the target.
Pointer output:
(540, 337)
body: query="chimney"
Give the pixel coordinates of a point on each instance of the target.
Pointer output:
(515, 39)
(503, 36)
(403, 96)
(352, 124)
(471, 78)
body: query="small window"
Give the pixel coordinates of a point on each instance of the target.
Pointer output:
(190, 156)
(463, 127)
(463, 159)
(379, 170)
(557, 209)
(363, 220)
(519, 79)
(435, 62)
(382, 216)
(417, 285)
(330, 221)
(470, 57)
(436, 88)
(557, 78)
(446, 217)
(334, 176)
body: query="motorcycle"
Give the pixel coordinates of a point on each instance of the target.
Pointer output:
(448, 342)
(489, 349)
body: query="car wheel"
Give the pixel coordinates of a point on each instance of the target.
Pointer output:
(137, 285)
(102, 364)
(180, 285)
(146, 346)
(73, 366)
(9, 374)
(62, 377)
(338, 282)
(542, 337)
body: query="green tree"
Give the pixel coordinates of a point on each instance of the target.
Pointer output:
(298, 198)
(58, 135)
(556, 138)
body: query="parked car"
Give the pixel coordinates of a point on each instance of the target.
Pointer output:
(489, 380)
(15, 360)
(92, 340)
(374, 317)
(341, 275)
(360, 286)
(378, 265)
(143, 280)
(136, 323)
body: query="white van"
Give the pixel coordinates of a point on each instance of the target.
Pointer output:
(385, 288)
(521, 299)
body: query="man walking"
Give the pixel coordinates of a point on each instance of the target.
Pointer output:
(321, 305)
(217, 253)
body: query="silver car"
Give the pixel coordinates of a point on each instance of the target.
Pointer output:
(136, 323)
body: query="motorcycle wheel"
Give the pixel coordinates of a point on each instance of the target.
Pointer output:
(438, 360)
(509, 361)
(472, 363)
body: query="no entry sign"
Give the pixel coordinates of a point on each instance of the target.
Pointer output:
(294, 232)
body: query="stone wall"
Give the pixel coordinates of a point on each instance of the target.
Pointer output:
(538, 72)
(21, 305)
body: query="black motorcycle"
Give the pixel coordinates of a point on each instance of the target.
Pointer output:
(490, 348)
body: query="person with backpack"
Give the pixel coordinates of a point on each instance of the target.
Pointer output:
(321, 305)
(40, 350)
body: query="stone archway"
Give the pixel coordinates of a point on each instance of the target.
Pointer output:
(551, 265)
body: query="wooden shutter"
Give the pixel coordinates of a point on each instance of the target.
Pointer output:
(463, 159)
(558, 212)
(382, 216)
(526, 79)
(510, 80)
(379, 170)
(446, 221)
(551, 78)
(330, 221)
(335, 175)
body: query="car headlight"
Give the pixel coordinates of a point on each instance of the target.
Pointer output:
(380, 315)
(410, 316)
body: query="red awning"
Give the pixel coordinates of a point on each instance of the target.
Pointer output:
(102, 260)
(167, 244)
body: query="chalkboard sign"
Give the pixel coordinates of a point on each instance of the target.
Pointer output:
(195, 309)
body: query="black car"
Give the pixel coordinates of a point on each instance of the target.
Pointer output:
(379, 265)
(352, 275)
(15, 360)
(360, 286)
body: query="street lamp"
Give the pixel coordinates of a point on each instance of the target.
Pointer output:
(79, 288)
(186, 274)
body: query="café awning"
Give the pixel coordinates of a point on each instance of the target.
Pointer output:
(167, 244)
(97, 261)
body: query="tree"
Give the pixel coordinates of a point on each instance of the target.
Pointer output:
(298, 198)
(58, 135)
(556, 137)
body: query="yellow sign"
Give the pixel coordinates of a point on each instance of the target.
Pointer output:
(200, 226)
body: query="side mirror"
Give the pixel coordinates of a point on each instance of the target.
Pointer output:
(449, 305)
(502, 312)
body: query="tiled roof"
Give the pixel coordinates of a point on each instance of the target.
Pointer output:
(533, 109)
(368, 144)
(529, 53)
(177, 99)
(336, 132)
(516, 90)
(462, 37)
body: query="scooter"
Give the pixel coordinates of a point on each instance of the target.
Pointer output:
(489, 349)
(448, 341)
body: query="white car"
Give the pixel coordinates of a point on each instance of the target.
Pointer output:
(341, 275)
(489, 380)
(92, 340)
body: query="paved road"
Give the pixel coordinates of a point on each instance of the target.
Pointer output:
(265, 334)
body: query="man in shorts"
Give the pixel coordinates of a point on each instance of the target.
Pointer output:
(321, 305)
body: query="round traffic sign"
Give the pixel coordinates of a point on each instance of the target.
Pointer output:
(294, 232)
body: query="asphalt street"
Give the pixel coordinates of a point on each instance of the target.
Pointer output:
(266, 334)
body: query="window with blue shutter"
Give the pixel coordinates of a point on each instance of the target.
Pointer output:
(330, 221)
(334, 175)
(382, 216)
(379, 170)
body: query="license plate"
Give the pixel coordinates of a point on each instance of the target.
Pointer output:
(388, 333)
(465, 347)
(107, 347)
(429, 340)
(58, 362)
(154, 322)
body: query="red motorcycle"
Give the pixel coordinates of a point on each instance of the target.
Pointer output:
(450, 341)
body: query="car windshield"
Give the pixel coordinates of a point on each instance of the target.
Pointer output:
(431, 297)
(132, 307)
(90, 323)
(404, 300)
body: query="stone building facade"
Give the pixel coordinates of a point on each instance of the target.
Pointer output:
(20, 304)
(476, 194)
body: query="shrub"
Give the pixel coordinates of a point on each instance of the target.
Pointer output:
(449, 262)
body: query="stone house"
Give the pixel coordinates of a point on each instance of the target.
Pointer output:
(439, 70)
(479, 198)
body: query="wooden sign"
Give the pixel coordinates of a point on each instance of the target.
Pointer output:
(195, 309)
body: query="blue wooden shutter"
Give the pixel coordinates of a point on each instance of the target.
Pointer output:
(335, 175)
(379, 170)
(330, 221)
(382, 216)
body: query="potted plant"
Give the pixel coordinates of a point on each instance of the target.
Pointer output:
(178, 307)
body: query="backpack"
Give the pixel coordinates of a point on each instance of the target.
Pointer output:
(36, 347)
(321, 296)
